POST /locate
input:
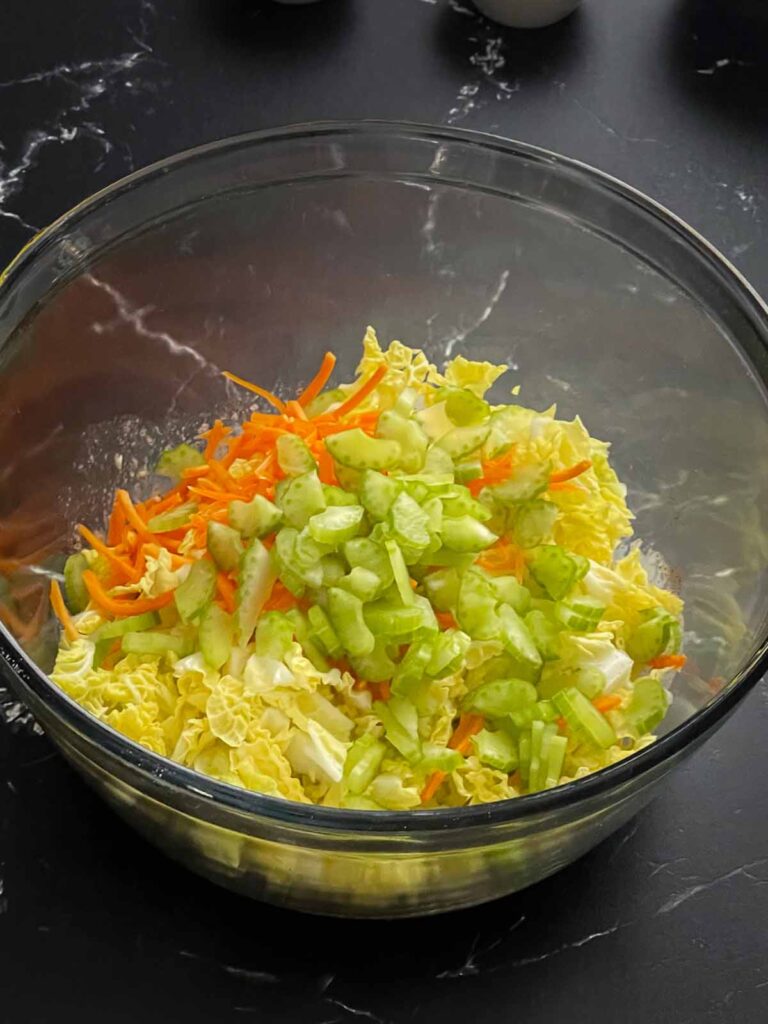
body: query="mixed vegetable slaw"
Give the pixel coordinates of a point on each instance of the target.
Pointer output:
(384, 595)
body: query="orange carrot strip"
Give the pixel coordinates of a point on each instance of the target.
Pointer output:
(446, 620)
(261, 392)
(668, 661)
(98, 545)
(568, 474)
(132, 515)
(380, 691)
(214, 436)
(565, 485)
(202, 492)
(293, 408)
(116, 607)
(171, 500)
(61, 612)
(194, 472)
(116, 523)
(318, 382)
(606, 703)
(226, 591)
(281, 599)
(361, 394)
(463, 733)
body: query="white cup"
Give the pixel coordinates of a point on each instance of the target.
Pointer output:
(526, 13)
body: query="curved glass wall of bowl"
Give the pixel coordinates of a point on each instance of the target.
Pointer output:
(257, 257)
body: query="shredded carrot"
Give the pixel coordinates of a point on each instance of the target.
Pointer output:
(98, 545)
(195, 472)
(668, 661)
(606, 703)
(62, 613)
(132, 515)
(318, 382)
(293, 408)
(281, 599)
(494, 471)
(463, 733)
(566, 485)
(365, 389)
(116, 523)
(214, 436)
(115, 606)
(226, 590)
(446, 620)
(261, 392)
(380, 691)
(568, 474)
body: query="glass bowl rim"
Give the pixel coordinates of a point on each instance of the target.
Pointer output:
(386, 823)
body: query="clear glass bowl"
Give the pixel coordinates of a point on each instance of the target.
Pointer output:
(258, 253)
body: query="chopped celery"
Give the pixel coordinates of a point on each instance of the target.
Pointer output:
(411, 670)
(409, 522)
(429, 623)
(375, 667)
(284, 557)
(541, 737)
(556, 571)
(323, 401)
(476, 607)
(293, 456)
(356, 449)
(438, 461)
(307, 557)
(468, 469)
(554, 766)
(409, 435)
(545, 634)
(75, 589)
(518, 641)
(495, 749)
(196, 590)
(361, 582)
(368, 554)
(254, 518)
(464, 408)
(525, 483)
(541, 711)
(589, 681)
(533, 522)
(333, 568)
(464, 534)
(274, 635)
(647, 705)
(151, 644)
(433, 510)
(336, 525)
(444, 557)
(500, 697)
(448, 652)
(400, 721)
(129, 624)
(462, 441)
(399, 571)
(583, 718)
(363, 762)
(215, 637)
(442, 589)
(255, 581)
(462, 503)
(174, 461)
(524, 758)
(386, 619)
(323, 633)
(335, 496)
(657, 634)
(580, 614)
(302, 499)
(224, 545)
(438, 759)
(378, 493)
(173, 519)
(346, 615)
(312, 652)
(417, 489)
(510, 591)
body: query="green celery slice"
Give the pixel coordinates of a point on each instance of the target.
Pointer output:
(368, 554)
(336, 525)
(533, 522)
(173, 519)
(196, 590)
(584, 718)
(580, 614)
(465, 534)
(545, 634)
(75, 589)
(495, 749)
(255, 581)
(375, 667)
(462, 441)
(363, 762)
(274, 635)
(254, 518)
(346, 615)
(518, 641)
(476, 607)
(525, 483)
(408, 434)
(399, 571)
(215, 636)
(361, 582)
(435, 758)
(500, 697)
(302, 499)
(323, 633)
(130, 624)
(647, 705)
(156, 644)
(510, 591)
(464, 408)
(293, 456)
(442, 589)
(448, 651)
(174, 461)
(556, 570)
(554, 768)
(378, 493)
(300, 625)
(400, 721)
(224, 545)
(409, 522)
(356, 449)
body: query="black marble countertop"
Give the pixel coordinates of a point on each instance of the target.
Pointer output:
(665, 922)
